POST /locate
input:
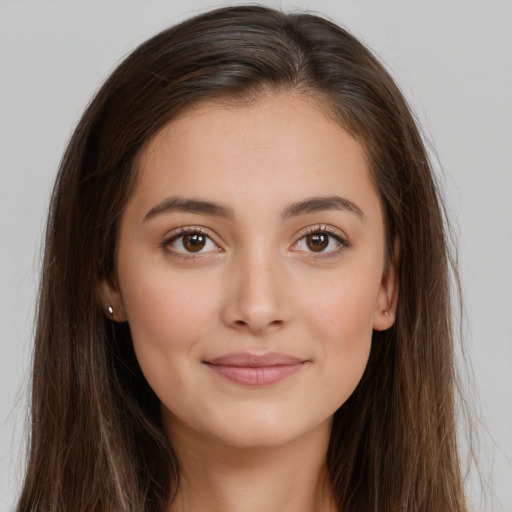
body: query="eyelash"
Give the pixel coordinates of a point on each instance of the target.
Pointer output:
(314, 230)
(183, 231)
(322, 229)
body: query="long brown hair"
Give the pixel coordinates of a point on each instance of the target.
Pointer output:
(97, 442)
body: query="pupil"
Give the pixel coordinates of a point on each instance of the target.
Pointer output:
(194, 242)
(317, 242)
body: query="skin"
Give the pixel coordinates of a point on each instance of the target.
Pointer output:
(256, 286)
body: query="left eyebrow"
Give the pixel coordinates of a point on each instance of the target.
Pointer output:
(318, 204)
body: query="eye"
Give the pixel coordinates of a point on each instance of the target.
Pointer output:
(320, 240)
(191, 242)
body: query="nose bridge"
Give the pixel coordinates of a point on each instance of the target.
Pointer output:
(257, 301)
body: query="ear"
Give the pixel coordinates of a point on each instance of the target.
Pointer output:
(111, 297)
(387, 298)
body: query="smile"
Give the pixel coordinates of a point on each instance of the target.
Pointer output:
(256, 370)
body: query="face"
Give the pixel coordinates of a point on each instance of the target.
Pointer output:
(251, 270)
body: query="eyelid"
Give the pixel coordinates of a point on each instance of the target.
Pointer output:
(331, 231)
(323, 228)
(185, 230)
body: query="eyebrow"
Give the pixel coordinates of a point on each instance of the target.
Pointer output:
(199, 206)
(318, 204)
(202, 207)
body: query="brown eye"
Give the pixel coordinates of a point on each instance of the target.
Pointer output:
(194, 242)
(317, 242)
(191, 242)
(320, 241)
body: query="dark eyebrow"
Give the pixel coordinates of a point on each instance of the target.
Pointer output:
(172, 204)
(317, 204)
(202, 207)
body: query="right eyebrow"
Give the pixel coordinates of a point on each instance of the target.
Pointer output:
(199, 206)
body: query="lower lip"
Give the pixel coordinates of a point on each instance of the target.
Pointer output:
(256, 375)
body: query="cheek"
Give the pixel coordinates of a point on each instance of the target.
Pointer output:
(168, 316)
(344, 305)
(341, 319)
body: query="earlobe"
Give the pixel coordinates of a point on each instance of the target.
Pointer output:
(385, 309)
(387, 299)
(112, 300)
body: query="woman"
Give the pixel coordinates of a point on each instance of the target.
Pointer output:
(244, 302)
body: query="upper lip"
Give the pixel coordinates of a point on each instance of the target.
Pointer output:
(246, 359)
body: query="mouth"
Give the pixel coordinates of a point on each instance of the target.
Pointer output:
(256, 369)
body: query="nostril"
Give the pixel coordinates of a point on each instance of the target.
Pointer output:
(275, 324)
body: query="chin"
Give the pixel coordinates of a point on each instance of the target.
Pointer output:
(265, 433)
(266, 438)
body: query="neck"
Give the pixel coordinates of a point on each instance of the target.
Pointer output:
(288, 478)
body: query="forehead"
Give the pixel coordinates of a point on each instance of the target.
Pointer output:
(272, 150)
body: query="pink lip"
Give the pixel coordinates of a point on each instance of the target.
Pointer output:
(255, 369)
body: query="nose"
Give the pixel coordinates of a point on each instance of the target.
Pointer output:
(258, 300)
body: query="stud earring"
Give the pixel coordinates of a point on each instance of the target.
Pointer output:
(386, 313)
(111, 312)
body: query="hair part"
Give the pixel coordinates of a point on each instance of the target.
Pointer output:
(97, 442)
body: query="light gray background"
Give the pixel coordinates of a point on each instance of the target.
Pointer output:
(453, 59)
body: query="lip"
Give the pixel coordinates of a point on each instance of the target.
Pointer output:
(256, 369)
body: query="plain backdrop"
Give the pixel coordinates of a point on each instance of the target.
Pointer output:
(452, 59)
